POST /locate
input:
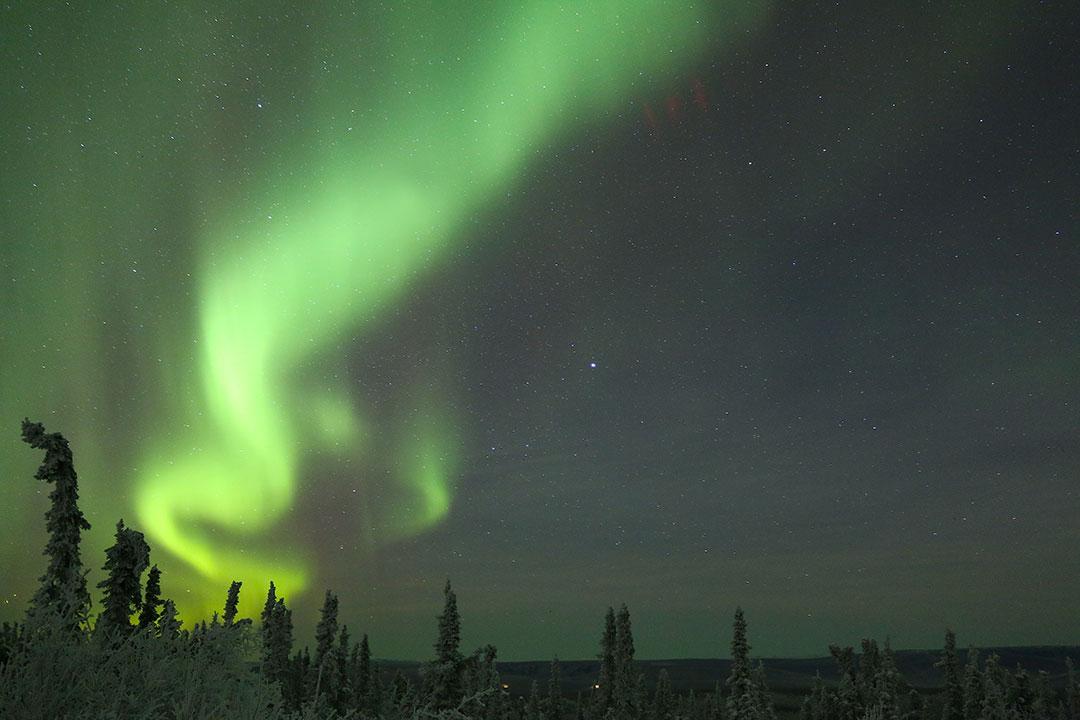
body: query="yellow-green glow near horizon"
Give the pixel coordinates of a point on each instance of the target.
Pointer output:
(340, 217)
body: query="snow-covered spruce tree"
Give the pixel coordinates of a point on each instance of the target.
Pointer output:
(403, 701)
(1043, 701)
(973, 691)
(663, 705)
(63, 586)
(892, 687)
(168, 626)
(640, 704)
(1020, 691)
(742, 702)
(712, 705)
(867, 674)
(359, 673)
(443, 675)
(532, 705)
(623, 693)
(151, 599)
(815, 704)
(326, 630)
(687, 706)
(761, 689)
(277, 632)
(847, 695)
(954, 689)
(1072, 689)
(495, 700)
(125, 562)
(994, 706)
(323, 678)
(606, 681)
(345, 696)
(553, 709)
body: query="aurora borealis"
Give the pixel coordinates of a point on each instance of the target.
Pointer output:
(673, 304)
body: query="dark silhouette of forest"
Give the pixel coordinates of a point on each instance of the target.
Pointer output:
(134, 659)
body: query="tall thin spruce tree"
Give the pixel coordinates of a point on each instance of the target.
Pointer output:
(973, 694)
(277, 632)
(63, 586)
(623, 694)
(444, 673)
(323, 679)
(663, 705)
(345, 696)
(363, 692)
(152, 599)
(606, 681)
(326, 630)
(532, 704)
(742, 701)
(555, 698)
(954, 689)
(232, 601)
(268, 606)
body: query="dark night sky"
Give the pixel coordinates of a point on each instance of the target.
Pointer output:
(791, 323)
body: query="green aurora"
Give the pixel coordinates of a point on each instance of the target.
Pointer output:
(305, 202)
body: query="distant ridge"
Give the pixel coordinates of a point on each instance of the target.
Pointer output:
(782, 674)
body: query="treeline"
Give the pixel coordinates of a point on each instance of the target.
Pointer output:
(134, 659)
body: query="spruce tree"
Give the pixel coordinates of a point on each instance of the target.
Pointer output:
(763, 698)
(232, 601)
(277, 632)
(743, 695)
(495, 708)
(625, 682)
(712, 706)
(847, 699)
(640, 699)
(847, 696)
(687, 707)
(532, 705)
(1042, 696)
(326, 630)
(554, 702)
(265, 615)
(151, 599)
(63, 586)
(168, 626)
(954, 689)
(362, 679)
(814, 705)
(994, 706)
(606, 681)
(295, 690)
(403, 699)
(11, 637)
(867, 674)
(1072, 690)
(345, 695)
(268, 606)
(124, 564)
(663, 705)
(973, 695)
(444, 673)
(1020, 691)
(888, 684)
(323, 679)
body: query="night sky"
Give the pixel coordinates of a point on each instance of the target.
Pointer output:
(679, 306)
